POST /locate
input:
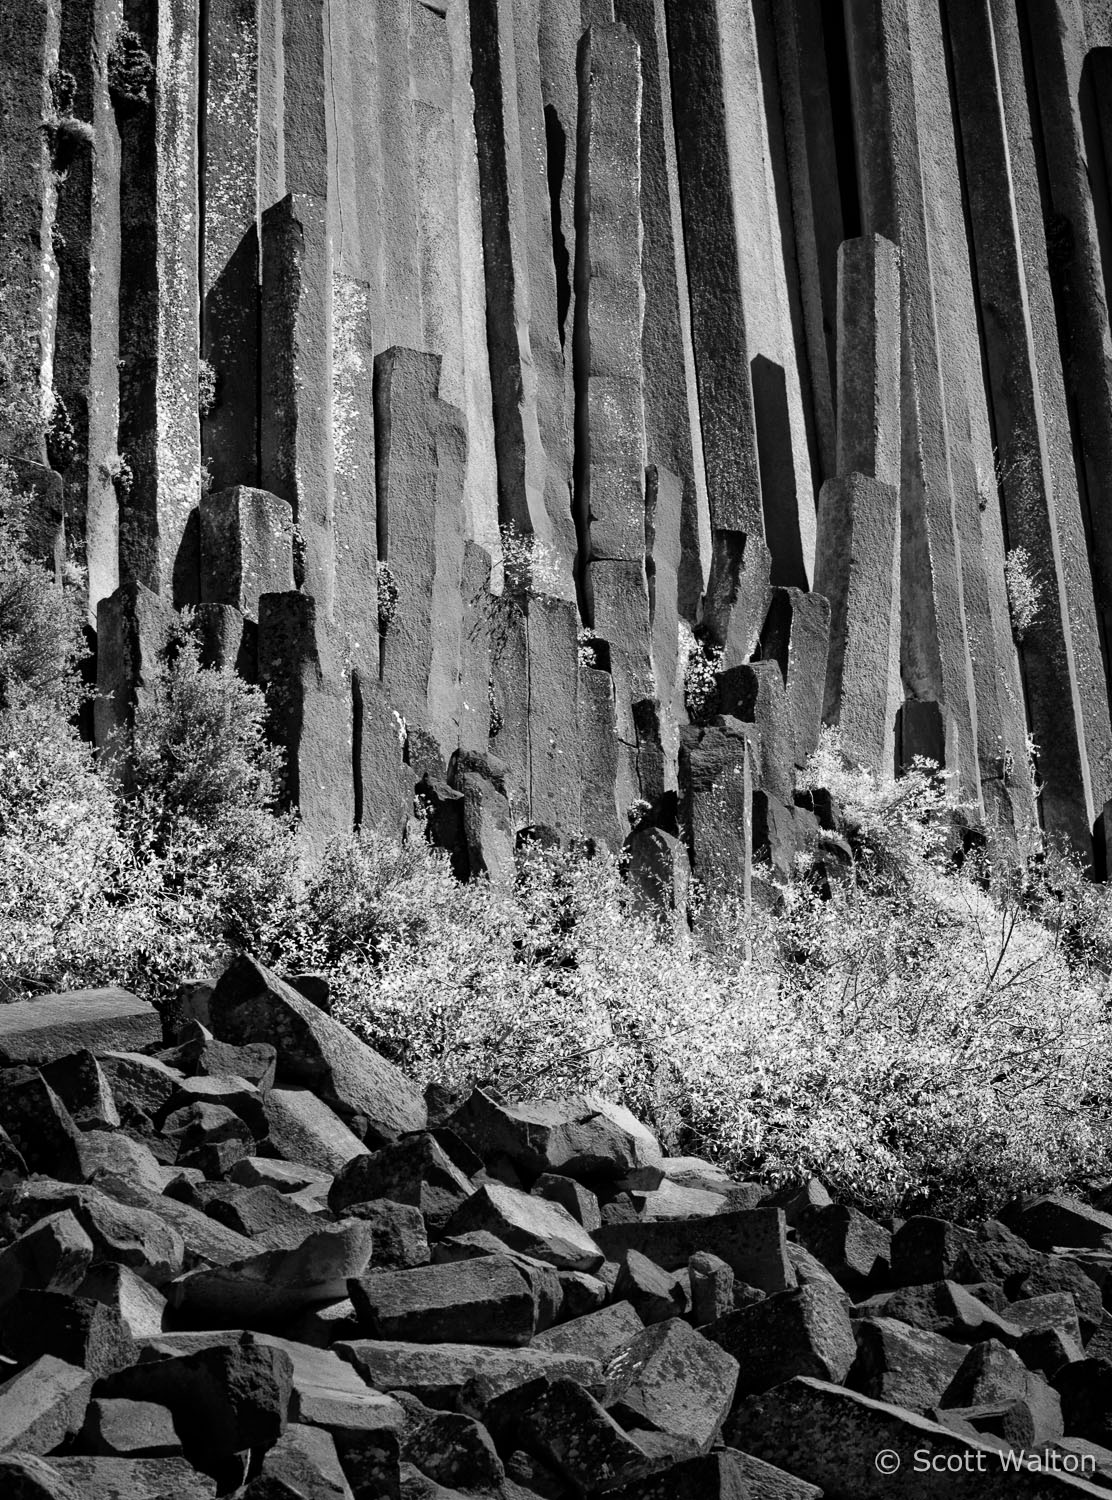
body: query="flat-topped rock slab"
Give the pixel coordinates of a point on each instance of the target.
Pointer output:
(38, 1031)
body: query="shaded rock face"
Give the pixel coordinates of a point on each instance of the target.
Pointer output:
(571, 379)
(395, 1322)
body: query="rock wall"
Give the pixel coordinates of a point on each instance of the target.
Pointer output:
(568, 405)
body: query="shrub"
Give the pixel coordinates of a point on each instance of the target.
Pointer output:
(699, 664)
(1025, 592)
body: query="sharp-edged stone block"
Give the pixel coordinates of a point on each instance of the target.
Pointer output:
(246, 547)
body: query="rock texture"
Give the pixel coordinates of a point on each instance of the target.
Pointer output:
(496, 380)
(400, 1322)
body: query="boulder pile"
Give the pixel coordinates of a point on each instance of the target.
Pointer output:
(241, 1254)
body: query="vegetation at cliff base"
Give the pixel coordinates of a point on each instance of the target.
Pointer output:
(930, 1032)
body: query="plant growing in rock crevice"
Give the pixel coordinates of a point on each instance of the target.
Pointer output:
(1026, 592)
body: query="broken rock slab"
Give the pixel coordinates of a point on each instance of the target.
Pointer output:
(538, 1228)
(52, 1026)
(751, 1241)
(437, 1373)
(250, 1004)
(43, 1405)
(671, 1379)
(488, 1300)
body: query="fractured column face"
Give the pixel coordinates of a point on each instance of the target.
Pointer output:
(230, 244)
(610, 306)
(857, 568)
(421, 451)
(526, 349)
(596, 733)
(796, 637)
(554, 786)
(754, 434)
(133, 627)
(309, 694)
(716, 781)
(29, 36)
(353, 435)
(1061, 650)
(297, 436)
(246, 548)
(739, 591)
(673, 435)
(869, 359)
(158, 484)
(664, 547)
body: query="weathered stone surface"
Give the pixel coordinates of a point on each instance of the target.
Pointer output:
(51, 1256)
(246, 547)
(524, 1222)
(597, 1335)
(830, 1437)
(130, 1429)
(77, 1330)
(106, 1478)
(139, 1306)
(751, 1241)
(902, 1365)
(671, 1379)
(43, 1405)
(53, 1026)
(1056, 1219)
(655, 1294)
(416, 1171)
(250, 1004)
(801, 1332)
(437, 1372)
(851, 1246)
(306, 1131)
(716, 773)
(223, 1399)
(718, 1476)
(582, 1138)
(488, 1300)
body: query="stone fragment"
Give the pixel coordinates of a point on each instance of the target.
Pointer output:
(822, 1433)
(579, 1201)
(437, 1372)
(450, 1448)
(751, 1241)
(904, 1366)
(111, 1155)
(484, 1301)
(1085, 1389)
(246, 547)
(303, 1130)
(1056, 1219)
(80, 1083)
(721, 1475)
(991, 1375)
(140, 1306)
(941, 1307)
(566, 1428)
(795, 635)
(285, 1176)
(27, 1477)
(141, 1086)
(54, 1026)
(39, 1124)
(802, 1332)
(131, 1235)
(223, 1399)
(600, 1335)
(538, 1228)
(305, 1461)
(712, 1288)
(208, 1137)
(415, 1171)
(130, 1429)
(655, 1294)
(270, 1218)
(1059, 1273)
(77, 1330)
(584, 1138)
(580, 1294)
(311, 1268)
(671, 1379)
(853, 1248)
(43, 1405)
(926, 1249)
(51, 1256)
(106, 1478)
(250, 1004)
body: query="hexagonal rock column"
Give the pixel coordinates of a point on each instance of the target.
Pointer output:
(297, 436)
(716, 779)
(132, 628)
(246, 547)
(310, 699)
(421, 458)
(29, 37)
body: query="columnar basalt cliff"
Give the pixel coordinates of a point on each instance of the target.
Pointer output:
(568, 406)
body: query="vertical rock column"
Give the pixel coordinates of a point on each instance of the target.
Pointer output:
(297, 432)
(858, 553)
(29, 35)
(230, 243)
(421, 450)
(527, 377)
(610, 418)
(158, 476)
(1060, 651)
(754, 434)
(672, 428)
(956, 648)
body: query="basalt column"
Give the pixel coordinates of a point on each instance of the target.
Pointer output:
(153, 75)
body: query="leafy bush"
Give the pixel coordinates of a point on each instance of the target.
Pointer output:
(1025, 592)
